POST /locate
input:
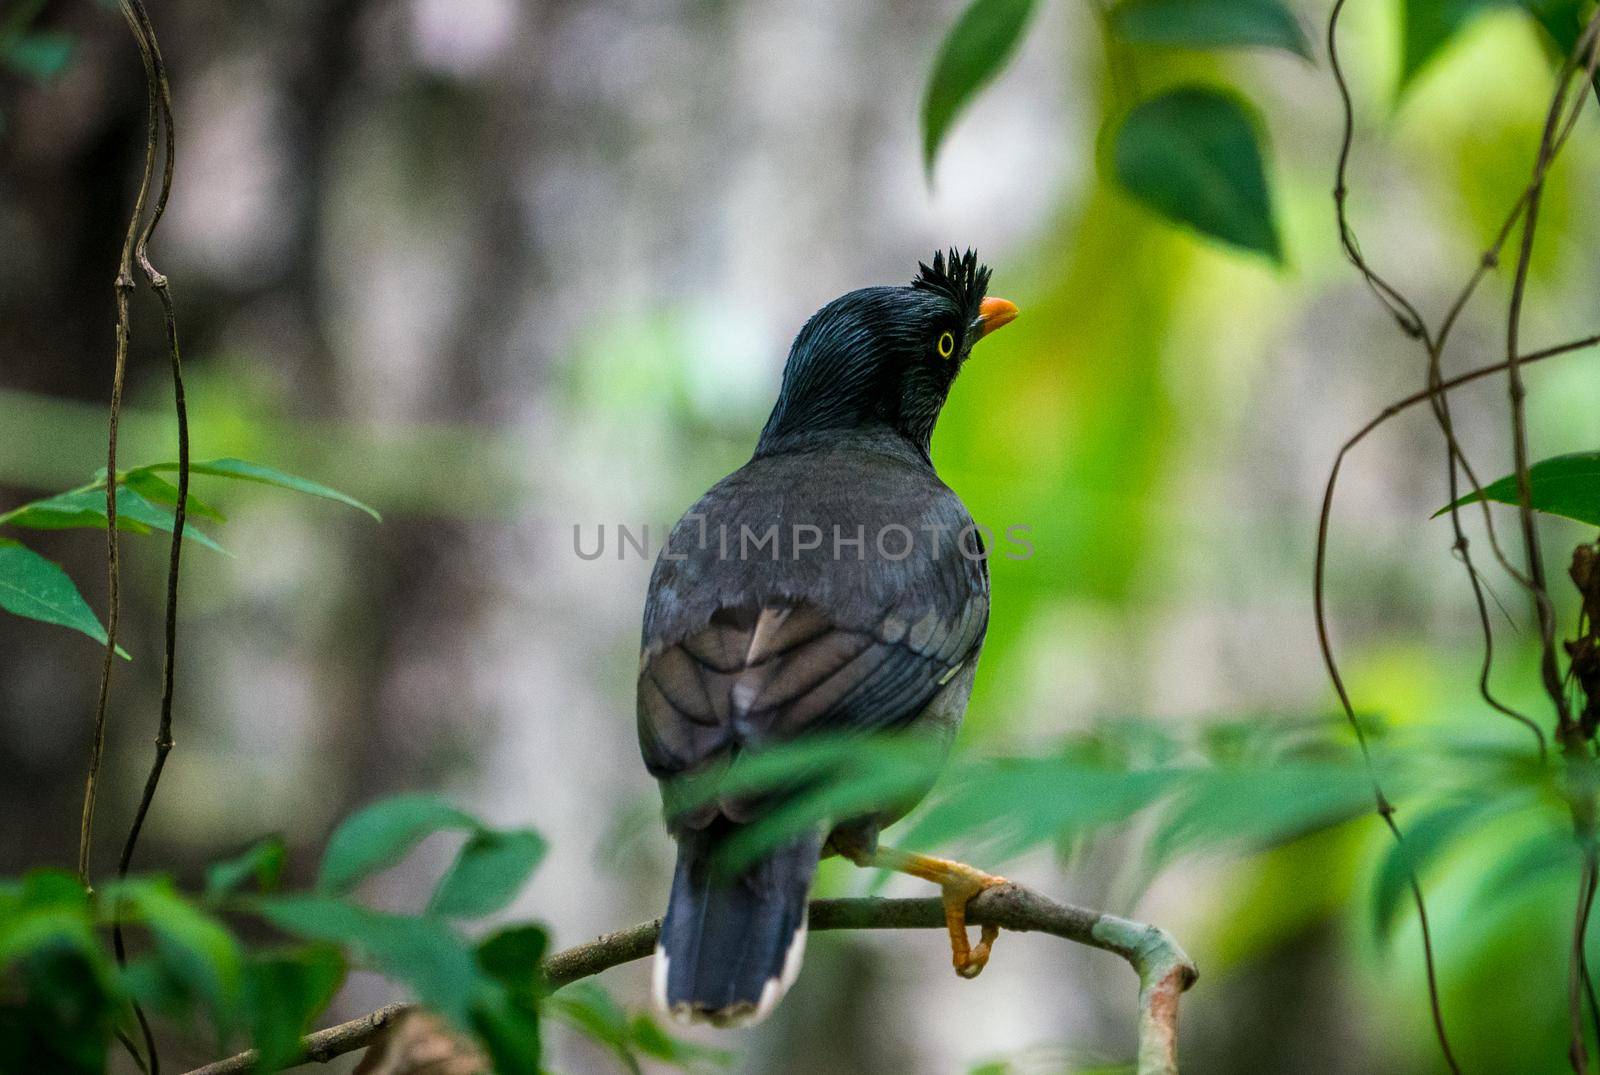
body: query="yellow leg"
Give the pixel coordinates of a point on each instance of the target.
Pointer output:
(958, 883)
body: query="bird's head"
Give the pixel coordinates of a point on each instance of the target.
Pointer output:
(886, 356)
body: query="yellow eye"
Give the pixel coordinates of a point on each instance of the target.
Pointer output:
(947, 345)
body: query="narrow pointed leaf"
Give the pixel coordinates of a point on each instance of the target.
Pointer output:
(1193, 155)
(1543, 858)
(87, 508)
(244, 470)
(158, 490)
(978, 46)
(1565, 485)
(649, 1039)
(1427, 838)
(37, 589)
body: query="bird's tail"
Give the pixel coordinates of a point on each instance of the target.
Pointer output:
(731, 946)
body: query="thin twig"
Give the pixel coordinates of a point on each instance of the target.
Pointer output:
(1164, 971)
(162, 288)
(1398, 305)
(123, 285)
(159, 106)
(1577, 969)
(1413, 325)
(1548, 667)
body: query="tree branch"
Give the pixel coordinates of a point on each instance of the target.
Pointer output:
(1164, 971)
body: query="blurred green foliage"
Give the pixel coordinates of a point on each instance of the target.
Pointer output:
(62, 995)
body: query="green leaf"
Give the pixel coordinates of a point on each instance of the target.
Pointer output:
(1260, 805)
(1561, 20)
(1015, 805)
(835, 776)
(158, 490)
(283, 993)
(58, 1012)
(1192, 155)
(513, 956)
(488, 873)
(589, 1008)
(60, 995)
(378, 836)
(41, 55)
(1428, 27)
(1204, 24)
(1545, 858)
(1426, 839)
(423, 953)
(507, 1018)
(263, 863)
(244, 470)
(509, 1030)
(1564, 485)
(980, 43)
(87, 508)
(46, 908)
(35, 588)
(192, 947)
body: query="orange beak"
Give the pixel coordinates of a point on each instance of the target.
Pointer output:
(993, 313)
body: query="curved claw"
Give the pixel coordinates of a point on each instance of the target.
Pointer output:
(958, 883)
(959, 887)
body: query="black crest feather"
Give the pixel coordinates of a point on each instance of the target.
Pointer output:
(960, 279)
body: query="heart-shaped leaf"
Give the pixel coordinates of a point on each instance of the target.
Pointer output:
(1193, 155)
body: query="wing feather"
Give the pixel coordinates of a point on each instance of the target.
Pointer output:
(798, 673)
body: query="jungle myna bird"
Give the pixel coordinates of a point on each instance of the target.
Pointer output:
(833, 584)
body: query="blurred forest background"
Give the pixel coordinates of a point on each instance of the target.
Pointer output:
(504, 267)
